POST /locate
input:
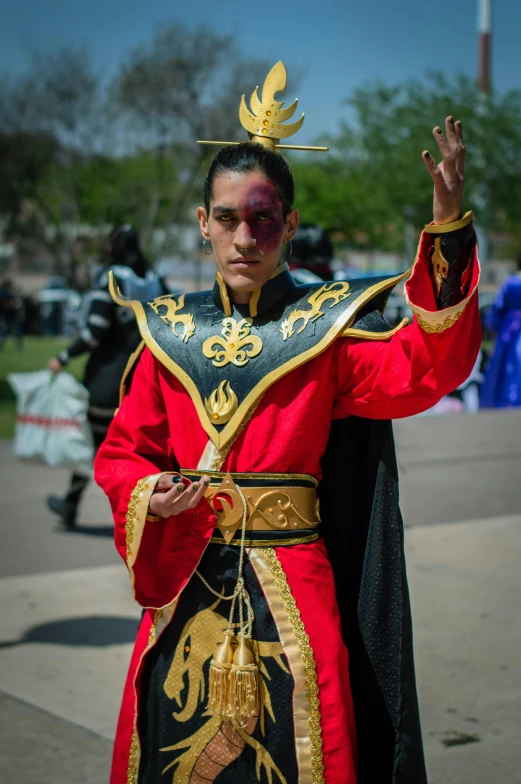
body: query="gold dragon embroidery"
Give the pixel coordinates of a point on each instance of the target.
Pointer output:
(186, 685)
(335, 291)
(232, 347)
(172, 315)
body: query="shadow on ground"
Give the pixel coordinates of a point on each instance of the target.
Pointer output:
(88, 530)
(96, 631)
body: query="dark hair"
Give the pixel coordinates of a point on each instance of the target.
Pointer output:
(125, 249)
(251, 157)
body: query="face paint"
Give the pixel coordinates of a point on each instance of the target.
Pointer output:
(262, 211)
(247, 229)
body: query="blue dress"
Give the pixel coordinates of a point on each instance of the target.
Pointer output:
(502, 384)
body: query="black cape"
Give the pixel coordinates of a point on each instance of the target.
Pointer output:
(363, 532)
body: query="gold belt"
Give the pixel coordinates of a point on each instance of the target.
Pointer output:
(288, 504)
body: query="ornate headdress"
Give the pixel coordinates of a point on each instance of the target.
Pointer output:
(265, 120)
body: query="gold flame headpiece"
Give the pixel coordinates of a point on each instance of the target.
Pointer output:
(265, 120)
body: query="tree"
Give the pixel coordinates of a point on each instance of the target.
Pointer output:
(375, 180)
(52, 119)
(25, 160)
(182, 87)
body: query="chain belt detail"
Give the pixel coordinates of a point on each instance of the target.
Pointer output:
(285, 503)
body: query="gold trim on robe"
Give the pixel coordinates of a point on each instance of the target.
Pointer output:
(296, 645)
(437, 321)
(136, 518)
(162, 618)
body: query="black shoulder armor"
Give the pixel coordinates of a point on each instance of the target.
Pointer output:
(227, 362)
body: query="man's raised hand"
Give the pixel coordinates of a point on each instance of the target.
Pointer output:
(448, 175)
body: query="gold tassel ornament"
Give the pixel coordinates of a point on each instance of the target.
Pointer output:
(244, 686)
(219, 686)
(233, 684)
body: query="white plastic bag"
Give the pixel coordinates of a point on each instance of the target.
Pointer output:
(51, 420)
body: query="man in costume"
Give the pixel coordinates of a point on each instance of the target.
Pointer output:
(276, 643)
(110, 336)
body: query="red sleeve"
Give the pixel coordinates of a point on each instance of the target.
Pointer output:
(421, 363)
(161, 554)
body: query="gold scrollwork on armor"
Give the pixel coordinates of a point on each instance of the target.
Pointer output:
(440, 265)
(172, 315)
(222, 404)
(335, 291)
(233, 345)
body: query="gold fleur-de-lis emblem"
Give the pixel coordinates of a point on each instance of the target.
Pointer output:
(236, 344)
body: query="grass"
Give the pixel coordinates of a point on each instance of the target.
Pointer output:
(33, 356)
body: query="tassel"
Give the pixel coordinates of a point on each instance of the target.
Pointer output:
(243, 701)
(233, 683)
(219, 685)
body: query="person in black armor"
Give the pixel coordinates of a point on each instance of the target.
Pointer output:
(312, 250)
(110, 336)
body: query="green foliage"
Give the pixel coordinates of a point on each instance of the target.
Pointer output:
(375, 181)
(126, 189)
(60, 163)
(337, 196)
(25, 159)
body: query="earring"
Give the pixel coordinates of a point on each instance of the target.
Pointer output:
(288, 255)
(204, 247)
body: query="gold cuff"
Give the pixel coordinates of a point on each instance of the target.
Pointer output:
(445, 228)
(152, 518)
(138, 514)
(135, 517)
(437, 327)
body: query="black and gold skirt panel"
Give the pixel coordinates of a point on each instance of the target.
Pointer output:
(180, 741)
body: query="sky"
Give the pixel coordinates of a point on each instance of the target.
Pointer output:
(338, 44)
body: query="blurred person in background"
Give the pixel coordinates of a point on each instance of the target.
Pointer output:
(110, 336)
(502, 384)
(12, 313)
(312, 250)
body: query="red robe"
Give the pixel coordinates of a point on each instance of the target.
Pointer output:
(158, 428)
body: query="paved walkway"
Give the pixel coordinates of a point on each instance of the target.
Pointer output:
(69, 621)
